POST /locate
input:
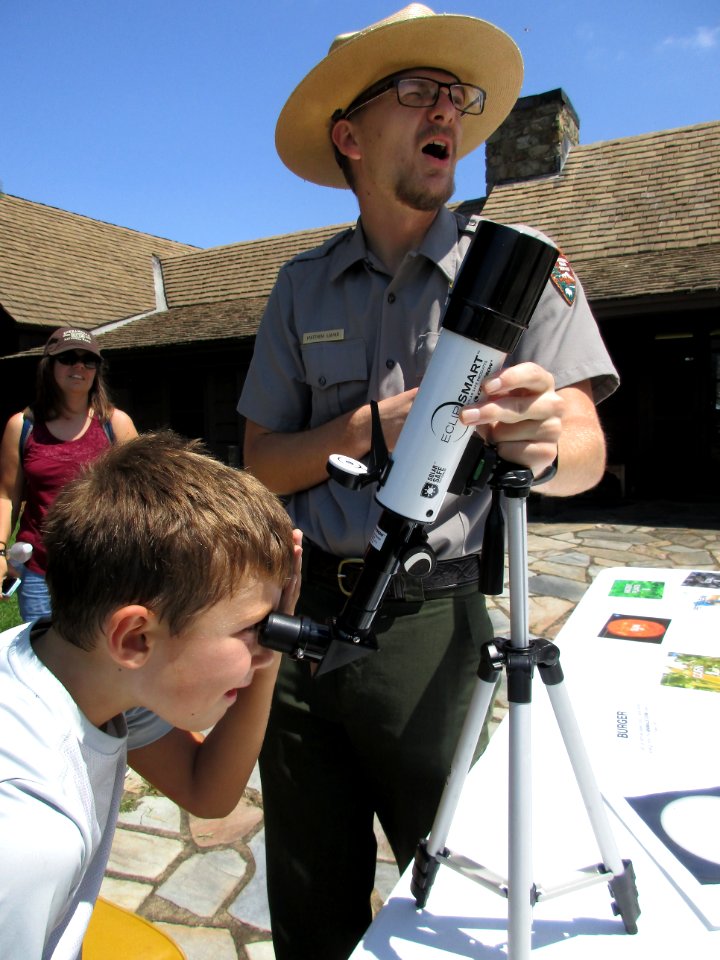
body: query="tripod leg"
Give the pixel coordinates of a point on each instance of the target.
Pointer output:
(519, 656)
(426, 863)
(519, 665)
(521, 888)
(622, 886)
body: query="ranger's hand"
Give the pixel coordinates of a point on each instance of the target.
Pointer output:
(520, 412)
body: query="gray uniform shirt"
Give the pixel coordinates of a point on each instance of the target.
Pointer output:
(339, 331)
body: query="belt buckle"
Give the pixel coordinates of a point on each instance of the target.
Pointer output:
(340, 575)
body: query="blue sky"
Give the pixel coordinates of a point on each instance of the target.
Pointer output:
(159, 115)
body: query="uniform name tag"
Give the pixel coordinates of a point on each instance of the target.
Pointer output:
(323, 336)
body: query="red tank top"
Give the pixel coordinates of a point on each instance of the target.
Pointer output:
(48, 464)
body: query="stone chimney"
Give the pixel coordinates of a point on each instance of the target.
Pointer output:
(534, 141)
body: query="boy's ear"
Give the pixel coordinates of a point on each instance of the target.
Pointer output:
(129, 631)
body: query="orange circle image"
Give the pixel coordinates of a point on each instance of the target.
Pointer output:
(639, 629)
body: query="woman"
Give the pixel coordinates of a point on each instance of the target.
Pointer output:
(69, 424)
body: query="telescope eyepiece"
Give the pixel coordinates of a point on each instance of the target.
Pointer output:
(299, 637)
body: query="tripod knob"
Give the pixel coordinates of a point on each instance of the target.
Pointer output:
(419, 561)
(348, 472)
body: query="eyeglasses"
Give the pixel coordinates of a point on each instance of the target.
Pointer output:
(70, 358)
(422, 92)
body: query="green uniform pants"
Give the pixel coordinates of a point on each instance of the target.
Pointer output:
(375, 736)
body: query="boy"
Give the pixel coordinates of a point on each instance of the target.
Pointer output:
(162, 564)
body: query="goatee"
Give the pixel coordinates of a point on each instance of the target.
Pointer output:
(422, 198)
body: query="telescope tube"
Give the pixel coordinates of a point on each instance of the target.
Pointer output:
(488, 309)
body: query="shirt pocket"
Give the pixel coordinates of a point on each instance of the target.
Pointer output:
(337, 373)
(423, 353)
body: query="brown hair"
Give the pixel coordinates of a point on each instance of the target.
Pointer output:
(48, 402)
(158, 522)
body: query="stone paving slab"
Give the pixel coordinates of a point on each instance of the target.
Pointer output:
(153, 813)
(142, 854)
(129, 894)
(262, 950)
(244, 819)
(551, 586)
(201, 943)
(568, 557)
(548, 615)
(565, 571)
(629, 558)
(203, 881)
(250, 907)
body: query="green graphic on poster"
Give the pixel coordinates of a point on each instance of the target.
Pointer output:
(638, 589)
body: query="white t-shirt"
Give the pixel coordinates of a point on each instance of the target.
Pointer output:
(61, 781)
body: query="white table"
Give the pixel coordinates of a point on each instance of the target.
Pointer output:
(463, 919)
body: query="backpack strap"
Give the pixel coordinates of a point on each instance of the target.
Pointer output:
(27, 426)
(110, 433)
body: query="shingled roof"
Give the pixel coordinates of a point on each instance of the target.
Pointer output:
(215, 294)
(64, 268)
(243, 270)
(186, 326)
(637, 217)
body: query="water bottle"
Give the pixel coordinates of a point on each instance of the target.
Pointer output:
(19, 553)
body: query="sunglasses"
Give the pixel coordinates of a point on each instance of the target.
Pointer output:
(71, 357)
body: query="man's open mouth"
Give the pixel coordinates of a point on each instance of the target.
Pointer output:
(437, 149)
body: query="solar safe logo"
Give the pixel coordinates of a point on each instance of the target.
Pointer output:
(431, 486)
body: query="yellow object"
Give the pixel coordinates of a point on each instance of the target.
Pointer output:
(117, 934)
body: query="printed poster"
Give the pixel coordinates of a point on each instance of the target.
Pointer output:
(641, 658)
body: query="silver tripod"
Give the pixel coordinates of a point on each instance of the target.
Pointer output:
(518, 657)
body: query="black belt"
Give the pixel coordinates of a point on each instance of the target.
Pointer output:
(342, 574)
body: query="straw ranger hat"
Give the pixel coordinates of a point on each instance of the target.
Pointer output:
(472, 50)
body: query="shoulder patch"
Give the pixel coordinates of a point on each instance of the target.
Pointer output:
(564, 280)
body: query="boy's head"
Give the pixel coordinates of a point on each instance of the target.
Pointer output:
(158, 522)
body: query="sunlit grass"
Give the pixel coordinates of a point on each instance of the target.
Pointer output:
(9, 615)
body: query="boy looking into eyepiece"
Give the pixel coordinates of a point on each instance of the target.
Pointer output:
(162, 564)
